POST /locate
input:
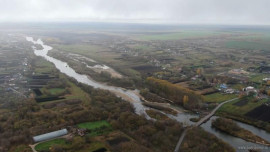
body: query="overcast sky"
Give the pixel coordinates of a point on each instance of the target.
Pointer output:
(159, 11)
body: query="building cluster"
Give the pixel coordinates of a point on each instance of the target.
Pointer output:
(77, 131)
(224, 88)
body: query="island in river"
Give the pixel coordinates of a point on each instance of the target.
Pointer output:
(230, 127)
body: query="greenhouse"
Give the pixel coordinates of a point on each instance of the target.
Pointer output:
(50, 135)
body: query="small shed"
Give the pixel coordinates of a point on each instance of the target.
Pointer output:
(50, 135)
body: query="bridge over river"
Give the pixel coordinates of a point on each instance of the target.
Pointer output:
(204, 119)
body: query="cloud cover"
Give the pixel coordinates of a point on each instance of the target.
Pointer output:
(160, 11)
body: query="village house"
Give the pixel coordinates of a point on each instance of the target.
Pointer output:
(77, 131)
(222, 87)
(250, 89)
(229, 91)
(195, 77)
(266, 79)
(81, 131)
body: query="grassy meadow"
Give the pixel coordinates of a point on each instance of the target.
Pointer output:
(96, 128)
(218, 97)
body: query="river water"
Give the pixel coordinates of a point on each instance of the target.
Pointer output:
(239, 144)
(63, 67)
(133, 97)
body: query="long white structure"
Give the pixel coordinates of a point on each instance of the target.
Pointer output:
(50, 135)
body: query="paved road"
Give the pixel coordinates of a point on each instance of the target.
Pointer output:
(177, 148)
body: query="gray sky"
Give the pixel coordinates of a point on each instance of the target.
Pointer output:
(154, 11)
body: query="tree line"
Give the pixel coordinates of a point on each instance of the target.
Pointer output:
(180, 95)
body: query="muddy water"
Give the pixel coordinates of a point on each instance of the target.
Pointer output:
(133, 97)
(129, 95)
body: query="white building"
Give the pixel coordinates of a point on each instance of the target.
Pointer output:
(266, 79)
(50, 135)
(250, 89)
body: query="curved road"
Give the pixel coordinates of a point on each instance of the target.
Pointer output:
(177, 148)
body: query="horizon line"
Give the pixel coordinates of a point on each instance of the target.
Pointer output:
(135, 22)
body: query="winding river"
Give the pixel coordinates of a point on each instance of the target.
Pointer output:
(129, 95)
(133, 97)
(239, 144)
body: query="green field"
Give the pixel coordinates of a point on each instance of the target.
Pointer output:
(218, 97)
(43, 66)
(102, 55)
(258, 77)
(56, 91)
(94, 125)
(238, 86)
(96, 128)
(92, 51)
(232, 111)
(45, 146)
(77, 93)
(70, 91)
(259, 45)
(229, 108)
(177, 35)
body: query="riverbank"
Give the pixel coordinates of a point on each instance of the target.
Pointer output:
(210, 143)
(97, 71)
(106, 106)
(256, 123)
(239, 112)
(230, 127)
(64, 68)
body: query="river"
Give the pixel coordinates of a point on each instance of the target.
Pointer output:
(133, 97)
(129, 95)
(239, 144)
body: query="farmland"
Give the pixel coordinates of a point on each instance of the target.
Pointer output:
(218, 97)
(55, 89)
(197, 61)
(178, 71)
(68, 103)
(186, 34)
(241, 109)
